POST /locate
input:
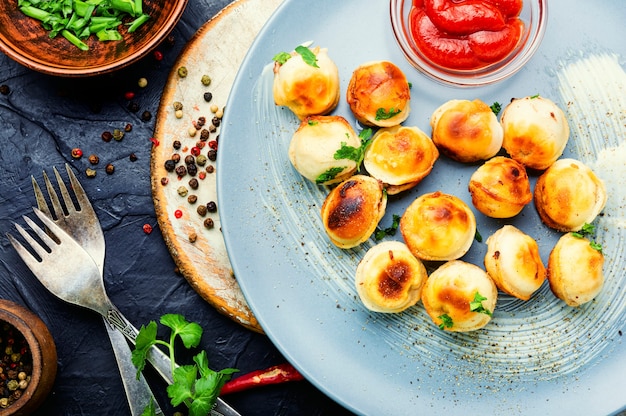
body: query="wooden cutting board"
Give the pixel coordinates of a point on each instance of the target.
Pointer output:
(216, 50)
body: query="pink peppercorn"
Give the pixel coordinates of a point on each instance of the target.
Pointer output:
(147, 228)
(178, 213)
(158, 55)
(195, 150)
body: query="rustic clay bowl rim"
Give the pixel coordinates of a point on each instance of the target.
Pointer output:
(24, 40)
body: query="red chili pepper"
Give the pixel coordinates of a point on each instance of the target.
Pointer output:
(178, 213)
(281, 373)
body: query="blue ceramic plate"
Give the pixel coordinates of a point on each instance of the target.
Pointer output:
(535, 357)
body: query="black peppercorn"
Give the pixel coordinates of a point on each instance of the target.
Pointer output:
(4, 89)
(181, 170)
(192, 169)
(201, 121)
(107, 136)
(176, 157)
(177, 145)
(133, 107)
(193, 183)
(212, 155)
(211, 206)
(170, 165)
(164, 181)
(189, 159)
(210, 169)
(201, 210)
(94, 159)
(216, 121)
(132, 157)
(146, 115)
(204, 135)
(208, 97)
(208, 223)
(109, 168)
(128, 127)
(192, 199)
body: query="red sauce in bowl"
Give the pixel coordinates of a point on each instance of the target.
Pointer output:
(466, 34)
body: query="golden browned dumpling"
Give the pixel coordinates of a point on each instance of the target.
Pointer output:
(313, 146)
(378, 94)
(353, 209)
(575, 270)
(459, 297)
(389, 278)
(400, 157)
(500, 188)
(513, 262)
(535, 131)
(568, 195)
(306, 89)
(438, 226)
(466, 131)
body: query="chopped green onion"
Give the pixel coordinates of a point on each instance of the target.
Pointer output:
(138, 22)
(74, 40)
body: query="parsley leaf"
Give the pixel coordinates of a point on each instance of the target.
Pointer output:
(477, 304)
(596, 246)
(478, 237)
(329, 175)
(307, 56)
(383, 114)
(381, 233)
(281, 57)
(587, 231)
(446, 321)
(496, 107)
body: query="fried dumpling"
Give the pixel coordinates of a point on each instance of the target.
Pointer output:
(389, 278)
(459, 297)
(400, 157)
(568, 195)
(353, 209)
(514, 263)
(466, 131)
(575, 270)
(438, 226)
(313, 146)
(306, 89)
(378, 94)
(500, 188)
(535, 131)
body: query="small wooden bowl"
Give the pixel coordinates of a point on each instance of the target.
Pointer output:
(44, 357)
(24, 40)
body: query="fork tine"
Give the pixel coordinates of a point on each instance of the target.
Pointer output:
(79, 192)
(67, 199)
(42, 204)
(26, 255)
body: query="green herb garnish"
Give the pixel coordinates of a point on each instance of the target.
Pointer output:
(329, 175)
(587, 231)
(77, 20)
(383, 114)
(478, 237)
(281, 57)
(446, 321)
(382, 233)
(534, 96)
(307, 56)
(197, 386)
(477, 304)
(355, 154)
(496, 107)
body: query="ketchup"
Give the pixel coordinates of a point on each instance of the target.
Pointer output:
(466, 34)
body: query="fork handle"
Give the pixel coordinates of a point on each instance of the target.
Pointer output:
(159, 360)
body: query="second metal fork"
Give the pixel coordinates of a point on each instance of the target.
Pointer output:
(83, 225)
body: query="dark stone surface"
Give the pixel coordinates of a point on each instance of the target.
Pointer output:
(41, 119)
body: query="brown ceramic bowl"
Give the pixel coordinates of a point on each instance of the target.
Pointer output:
(43, 357)
(23, 39)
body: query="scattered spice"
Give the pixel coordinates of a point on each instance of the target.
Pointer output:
(129, 95)
(128, 128)
(118, 135)
(158, 55)
(142, 82)
(201, 210)
(169, 165)
(176, 145)
(178, 213)
(193, 184)
(147, 228)
(176, 157)
(210, 169)
(208, 223)
(192, 199)
(178, 114)
(182, 191)
(15, 365)
(146, 115)
(77, 153)
(107, 136)
(193, 237)
(177, 105)
(91, 173)
(132, 157)
(154, 141)
(109, 168)
(182, 72)
(164, 181)
(208, 97)
(94, 159)
(4, 89)
(211, 206)
(133, 107)
(181, 171)
(206, 80)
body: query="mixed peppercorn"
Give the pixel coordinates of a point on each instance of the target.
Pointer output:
(16, 365)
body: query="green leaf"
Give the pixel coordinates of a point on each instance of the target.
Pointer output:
(477, 304)
(478, 237)
(144, 341)
(281, 57)
(382, 233)
(329, 175)
(189, 332)
(307, 56)
(496, 107)
(150, 409)
(383, 114)
(446, 321)
(182, 388)
(596, 246)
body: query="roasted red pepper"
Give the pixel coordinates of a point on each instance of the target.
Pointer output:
(467, 34)
(281, 373)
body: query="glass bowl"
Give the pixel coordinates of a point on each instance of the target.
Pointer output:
(534, 15)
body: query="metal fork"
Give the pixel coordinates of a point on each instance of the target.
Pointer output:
(83, 225)
(76, 278)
